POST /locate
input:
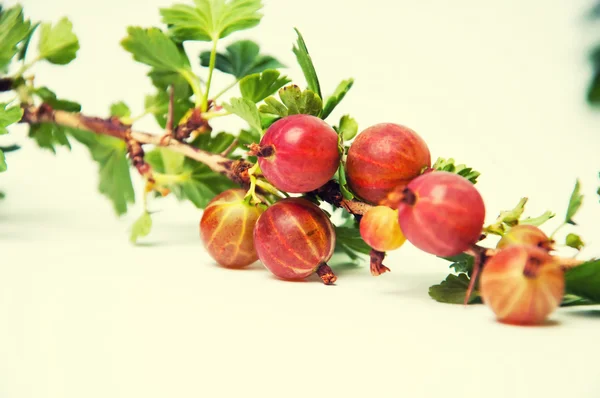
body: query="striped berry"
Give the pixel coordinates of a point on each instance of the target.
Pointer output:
(294, 238)
(383, 157)
(226, 229)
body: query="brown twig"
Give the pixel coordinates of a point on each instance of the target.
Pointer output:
(331, 194)
(169, 125)
(236, 170)
(230, 148)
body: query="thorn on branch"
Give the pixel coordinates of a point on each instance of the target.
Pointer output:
(166, 139)
(230, 148)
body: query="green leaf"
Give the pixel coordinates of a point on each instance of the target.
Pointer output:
(300, 102)
(242, 59)
(115, 178)
(574, 203)
(539, 220)
(584, 281)
(267, 120)
(273, 107)
(211, 19)
(571, 300)
(120, 110)
(349, 241)
(187, 178)
(158, 105)
(141, 227)
(245, 109)
(340, 176)
(593, 92)
(9, 116)
(49, 135)
(202, 183)
(162, 80)
(305, 62)
(13, 29)
(165, 160)
(507, 218)
(25, 44)
(295, 102)
(49, 97)
(337, 97)
(449, 165)
(3, 166)
(574, 241)
(461, 263)
(213, 143)
(154, 48)
(348, 128)
(248, 137)
(453, 290)
(58, 44)
(259, 86)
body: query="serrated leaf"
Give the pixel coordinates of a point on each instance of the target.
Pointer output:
(453, 290)
(584, 281)
(306, 64)
(58, 44)
(259, 86)
(449, 165)
(211, 19)
(574, 203)
(337, 97)
(241, 59)
(154, 48)
(273, 107)
(294, 101)
(9, 116)
(574, 241)
(49, 135)
(245, 109)
(348, 128)
(115, 178)
(13, 30)
(120, 109)
(461, 263)
(141, 227)
(3, 166)
(49, 97)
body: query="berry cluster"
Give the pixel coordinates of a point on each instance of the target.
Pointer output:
(383, 178)
(389, 167)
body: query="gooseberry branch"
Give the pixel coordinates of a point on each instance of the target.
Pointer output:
(236, 170)
(383, 177)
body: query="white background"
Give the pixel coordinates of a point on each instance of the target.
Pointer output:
(496, 84)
